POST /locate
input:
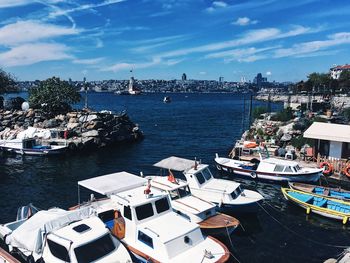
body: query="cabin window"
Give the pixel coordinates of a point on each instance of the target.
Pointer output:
(174, 195)
(94, 250)
(162, 205)
(236, 192)
(206, 173)
(144, 211)
(106, 216)
(279, 168)
(145, 239)
(58, 251)
(127, 212)
(200, 178)
(288, 169)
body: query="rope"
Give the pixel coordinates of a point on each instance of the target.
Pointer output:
(297, 234)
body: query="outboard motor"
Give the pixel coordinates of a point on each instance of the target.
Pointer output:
(25, 212)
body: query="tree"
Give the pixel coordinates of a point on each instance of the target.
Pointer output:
(53, 96)
(318, 82)
(7, 82)
(344, 80)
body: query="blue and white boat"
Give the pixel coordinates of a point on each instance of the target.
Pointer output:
(30, 146)
(321, 205)
(332, 192)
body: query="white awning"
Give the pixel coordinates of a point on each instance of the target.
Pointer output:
(175, 163)
(113, 183)
(328, 132)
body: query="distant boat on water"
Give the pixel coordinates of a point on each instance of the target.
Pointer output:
(167, 99)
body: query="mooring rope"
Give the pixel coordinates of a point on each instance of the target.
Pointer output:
(296, 233)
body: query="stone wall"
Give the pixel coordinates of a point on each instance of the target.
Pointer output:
(78, 129)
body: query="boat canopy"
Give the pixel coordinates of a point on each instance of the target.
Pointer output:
(113, 183)
(175, 163)
(30, 234)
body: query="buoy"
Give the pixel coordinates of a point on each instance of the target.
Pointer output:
(345, 220)
(308, 210)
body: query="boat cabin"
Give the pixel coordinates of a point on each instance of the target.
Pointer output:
(143, 218)
(274, 165)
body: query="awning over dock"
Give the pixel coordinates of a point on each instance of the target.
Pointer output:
(328, 132)
(113, 183)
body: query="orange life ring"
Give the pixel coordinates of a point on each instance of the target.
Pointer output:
(346, 170)
(328, 168)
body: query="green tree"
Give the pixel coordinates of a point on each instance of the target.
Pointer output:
(7, 82)
(344, 80)
(53, 96)
(318, 82)
(257, 111)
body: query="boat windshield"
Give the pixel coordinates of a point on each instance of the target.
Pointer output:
(207, 174)
(94, 250)
(237, 192)
(184, 191)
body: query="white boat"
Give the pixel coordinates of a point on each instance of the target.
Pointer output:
(30, 146)
(196, 209)
(146, 223)
(225, 193)
(57, 235)
(271, 169)
(167, 99)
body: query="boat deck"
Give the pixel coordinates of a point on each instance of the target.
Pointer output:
(219, 221)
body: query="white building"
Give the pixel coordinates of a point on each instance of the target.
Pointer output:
(331, 140)
(337, 70)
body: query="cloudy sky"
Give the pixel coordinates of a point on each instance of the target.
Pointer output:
(161, 39)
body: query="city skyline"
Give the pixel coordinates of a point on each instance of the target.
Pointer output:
(162, 39)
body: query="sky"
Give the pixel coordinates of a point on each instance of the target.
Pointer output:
(162, 39)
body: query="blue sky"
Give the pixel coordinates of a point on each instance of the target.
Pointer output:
(161, 39)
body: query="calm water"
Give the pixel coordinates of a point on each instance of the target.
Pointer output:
(192, 125)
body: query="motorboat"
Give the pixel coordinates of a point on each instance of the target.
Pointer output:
(324, 206)
(58, 235)
(270, 169)
(193, 208)
(227, 194)
(332, 192)
(167, 99)
(145, 222)
(30, 146)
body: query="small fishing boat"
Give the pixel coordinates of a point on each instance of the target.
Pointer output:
(145, 222)
(167, 99)
(195, 209)
(227, 194)
(57, 235)
(270, 169)
(30, 146)
(337, 193)
(324, 206)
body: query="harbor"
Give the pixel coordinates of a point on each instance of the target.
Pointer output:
(276, 229)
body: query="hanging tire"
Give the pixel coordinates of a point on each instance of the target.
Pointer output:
(253, 175)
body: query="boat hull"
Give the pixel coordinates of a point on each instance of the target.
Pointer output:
(322, 211)
(265, 176)
(219, 225)
(39, 152)
(336, 193)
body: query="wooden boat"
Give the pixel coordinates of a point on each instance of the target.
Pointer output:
(321, 205)
(227, 194)
(337, 193)
(57, 235)
(30, 146)
(147, 225)
(192, 207)
(270, 169)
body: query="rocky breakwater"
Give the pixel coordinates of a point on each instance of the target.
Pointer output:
(76, 129)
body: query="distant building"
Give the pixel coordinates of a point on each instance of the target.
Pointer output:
(184, 77)
(337, 70)
(221, 79)
(259, 80)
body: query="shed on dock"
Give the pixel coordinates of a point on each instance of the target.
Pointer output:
(332, 140)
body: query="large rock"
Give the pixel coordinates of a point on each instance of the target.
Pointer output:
(88, 118)
(72, 125)
(92, 133)
(94, 125)
(72, 115)
(50, 123)
(73, 120)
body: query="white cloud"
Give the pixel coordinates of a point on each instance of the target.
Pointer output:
(13, 3)
(268, 73)
(91, 61)
(244, 21)
(127, 66)
(31, 31)
(314, 46)
(99, 43)
(216, 5)
(250, 37)
(28, 54)
(202, 73)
